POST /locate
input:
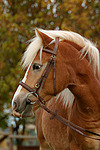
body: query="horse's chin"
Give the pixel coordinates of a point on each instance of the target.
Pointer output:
(27, 112)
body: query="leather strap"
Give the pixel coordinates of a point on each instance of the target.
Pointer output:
(71, 125)
(52, 60)
(48, 51)
(41, 81)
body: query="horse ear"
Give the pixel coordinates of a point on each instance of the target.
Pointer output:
(45, 38)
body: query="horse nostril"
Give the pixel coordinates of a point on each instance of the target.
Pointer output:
(15, 106)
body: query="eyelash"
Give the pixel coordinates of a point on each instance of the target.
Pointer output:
(36, 66)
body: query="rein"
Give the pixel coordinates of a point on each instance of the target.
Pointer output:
(41, 102)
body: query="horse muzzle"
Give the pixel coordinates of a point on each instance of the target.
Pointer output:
(21, 106)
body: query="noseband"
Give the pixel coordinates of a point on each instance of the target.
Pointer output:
(41, 102)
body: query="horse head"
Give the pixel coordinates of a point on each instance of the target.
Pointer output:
(74, 54)
(36, 61)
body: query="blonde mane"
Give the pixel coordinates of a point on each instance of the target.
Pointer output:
(88, 48)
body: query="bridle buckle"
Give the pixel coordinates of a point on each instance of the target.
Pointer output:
(37, 86)
(28, 101)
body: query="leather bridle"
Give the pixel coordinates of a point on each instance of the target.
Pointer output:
(41, 81)
(52, 63)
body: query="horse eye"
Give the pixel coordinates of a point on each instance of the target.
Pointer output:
(36, 66)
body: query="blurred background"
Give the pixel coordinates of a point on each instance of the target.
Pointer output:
(18, 19)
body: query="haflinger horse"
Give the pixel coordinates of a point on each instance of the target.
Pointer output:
(63, 73)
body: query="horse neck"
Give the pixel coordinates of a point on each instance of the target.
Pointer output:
(83, 83)
(58, 104)
(87, 93)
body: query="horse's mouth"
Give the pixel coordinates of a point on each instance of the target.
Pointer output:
(17, 114)
(26, 111)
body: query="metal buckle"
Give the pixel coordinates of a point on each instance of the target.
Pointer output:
(53, 57)
(37, 85)
(28, 101)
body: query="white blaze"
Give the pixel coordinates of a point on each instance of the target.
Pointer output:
(20, 87)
